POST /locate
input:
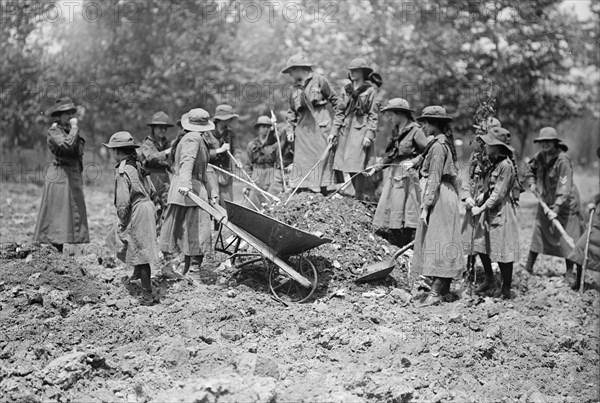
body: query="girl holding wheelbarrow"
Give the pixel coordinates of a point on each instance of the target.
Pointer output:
(187, 228)
(496, 236)
(551, 179)
(135, 236)
(438, 251)
(398, 207)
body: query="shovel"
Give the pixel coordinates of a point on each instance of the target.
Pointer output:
(382, 269)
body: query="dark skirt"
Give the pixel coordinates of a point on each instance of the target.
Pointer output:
(547, 240)
(400, 201)
(186, 230)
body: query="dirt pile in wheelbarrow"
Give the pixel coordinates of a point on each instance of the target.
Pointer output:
(344, 220)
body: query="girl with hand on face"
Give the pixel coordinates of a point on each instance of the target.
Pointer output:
(438, 249)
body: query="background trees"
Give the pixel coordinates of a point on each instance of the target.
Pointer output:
(126, 59)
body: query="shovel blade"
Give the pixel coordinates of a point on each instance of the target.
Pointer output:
(377, 271)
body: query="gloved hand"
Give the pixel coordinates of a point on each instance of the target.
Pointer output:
(73, 122)
(224, 148)
(470, 202)
(477, 210)
(183, 190)
(332, 138)
(591, 207)
(370, 172)
(367, 142)
(551, 215)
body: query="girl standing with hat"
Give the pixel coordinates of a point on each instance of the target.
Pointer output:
(187, 228)
(496, 236)
(593, 250)
(154, 155)
(438, 250)
(309, 120)
(62, 216)
(221, 145)
(400, 200)
(263, 162)
(355, 124)
(551, 179)
(136, 233)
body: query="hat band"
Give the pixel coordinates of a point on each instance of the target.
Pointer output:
(200, 122)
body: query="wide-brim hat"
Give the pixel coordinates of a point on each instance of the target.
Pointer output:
(225, 112)
(263, 121)
(360, 63)
(120, 140)
(397, 104)
(298, 60)
(160, 119)
(62, 105)
(550, 134)
(497, 136)
(434, 112)
(197, 120)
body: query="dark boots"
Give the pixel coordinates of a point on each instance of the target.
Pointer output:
(531, 261)
(192, 262)
(506, 271)
(488, 283)
(577, 283)
(435, 296)
(402, 236)
(146, 298)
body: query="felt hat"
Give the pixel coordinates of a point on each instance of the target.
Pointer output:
(497, 136)
(160, 119)
(360, 63)
(298, 60)
(434, 112)
(550, 134)
(62, 105)
(263, 121)
(120, 139)
(225, 112)
(197, 120)
(397, 104)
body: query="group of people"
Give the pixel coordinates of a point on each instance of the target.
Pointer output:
(420, 201)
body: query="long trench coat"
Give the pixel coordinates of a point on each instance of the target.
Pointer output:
(220, 185)
(400, 201)
(554, 179)
(438, 250)
(135, 241)
(62, 215)
(155, 160)
(578, 253)
(497, 231)
(187, 228)
(311, 129)
(356, 118)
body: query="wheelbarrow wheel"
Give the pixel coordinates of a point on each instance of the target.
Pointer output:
(287, 289)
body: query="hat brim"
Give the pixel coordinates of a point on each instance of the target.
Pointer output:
(424, 118)
(396, 108)
(256, 125)
(558, 141)
(288, 68)
(160, 124)
(62, 110)
(226, 117)
(491, 141)
(185, 123)
(112, 145)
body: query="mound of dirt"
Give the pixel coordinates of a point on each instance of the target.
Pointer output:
(344, 220)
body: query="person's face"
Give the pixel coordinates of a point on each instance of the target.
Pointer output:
(357, 74)
(548, 146)
(65, 117)
(223, 125)
(114, 153)
(492, 151)
(429, 129)
(263, 131)
(160, 130)
(297, 73)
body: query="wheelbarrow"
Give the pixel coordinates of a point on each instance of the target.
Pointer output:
(292, 276)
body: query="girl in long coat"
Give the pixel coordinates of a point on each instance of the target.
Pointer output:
(355, 124)
(187, 228)
(62, 216)
(497, 235)
(310, 122)
(438, 250)
(136, 233)
(578, 253)
(400, 201)
(263, 163)
(551, 176)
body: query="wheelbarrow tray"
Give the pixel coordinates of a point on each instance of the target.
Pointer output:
(283, 238)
